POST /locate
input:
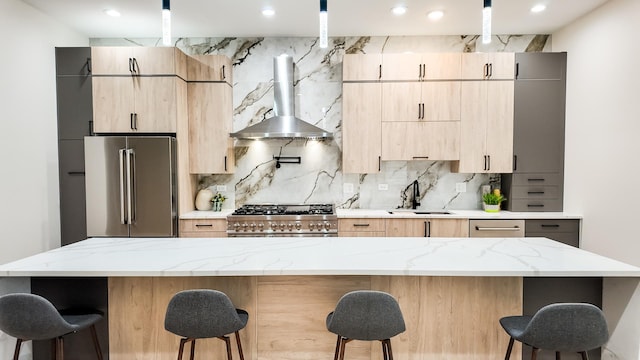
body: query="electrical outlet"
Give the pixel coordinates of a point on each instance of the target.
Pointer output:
(221, 188)
(486, 189)
(347, 188)
(461, 187)
(383, 187)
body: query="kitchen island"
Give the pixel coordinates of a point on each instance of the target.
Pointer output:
(452, 291)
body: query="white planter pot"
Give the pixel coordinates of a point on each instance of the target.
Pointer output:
(491, 208)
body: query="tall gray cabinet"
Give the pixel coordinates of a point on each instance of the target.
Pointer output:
(536, 183)
(74, 101)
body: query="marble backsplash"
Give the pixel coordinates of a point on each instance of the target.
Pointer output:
(318, 75)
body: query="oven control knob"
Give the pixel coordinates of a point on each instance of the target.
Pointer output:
(245, 226)
(311, 226)
(298, 226)
(319, 226)
(274, 226)
(327, 225)
(236, 226)
(290, 227)
(281, 227)
(261, 227)
(253, 227)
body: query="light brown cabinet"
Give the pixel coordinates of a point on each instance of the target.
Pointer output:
(361, 227)
(203, 228)
(209, 68)
(361, 67)
(486, 128)
(140, 61)
(421, 101)
(435, 140)
(483, 66)
(426, 66)
(361, 127)
(427, 228)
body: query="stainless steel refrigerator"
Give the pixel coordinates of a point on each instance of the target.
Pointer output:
(131, 186)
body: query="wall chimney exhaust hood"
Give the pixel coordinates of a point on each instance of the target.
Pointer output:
(284, 124)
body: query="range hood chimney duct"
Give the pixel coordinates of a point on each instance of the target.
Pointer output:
(283, 124)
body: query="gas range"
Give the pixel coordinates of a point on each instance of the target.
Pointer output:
(283, 220)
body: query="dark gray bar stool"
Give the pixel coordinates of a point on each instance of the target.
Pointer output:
(561, 327)
(201, 314)
(32, 317)
(366, 315)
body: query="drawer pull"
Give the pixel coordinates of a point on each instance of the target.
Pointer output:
(515, 228)
(535, 179)
(550, 225)
(360, 225)
(535, 192)
(204, 225)
(535, 205)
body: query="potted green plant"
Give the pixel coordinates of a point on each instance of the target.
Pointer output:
(491, 201)
(217, 201)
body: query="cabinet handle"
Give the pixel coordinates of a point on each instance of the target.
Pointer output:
(225, 163)
(72, 173)
(136, 68)
(360, 225)
(490, 70)
(515, 228)
(550, 225)
(488, 162)
(131, 121)
(517, 70)
(379, 163)
(535, 179)
(424, 71)
(91, 127)
(427, 228)
(135, 121)
(419, 71)
(535, 205)
(485, 70)
(515, 162)
(224, 76)
(420, 157)
(419, 111)
(204, 225)
(89, 65)
(131, 65)
(485, 163)
(379, 72)
(535, 192)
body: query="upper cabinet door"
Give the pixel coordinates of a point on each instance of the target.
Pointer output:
(361, 127)
(209, 68)
(486, 66)
(442, 66)
(122, 60)
(361, 67)
(402, 67)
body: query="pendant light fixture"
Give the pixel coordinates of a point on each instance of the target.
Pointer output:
(323, 24)
(486, 22)
(166, 23)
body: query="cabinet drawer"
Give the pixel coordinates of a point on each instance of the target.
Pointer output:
(203, 225)
(361, 225)
(568, 238)
(535, 192)
(361, 234)
(496, 228)
(551, 226)
(535, 204)
(537, 179)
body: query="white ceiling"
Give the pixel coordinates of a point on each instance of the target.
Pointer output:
(243, 18)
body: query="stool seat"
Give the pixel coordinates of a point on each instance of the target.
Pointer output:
(204, 313)
(32, 317)
(366, 315)
(560, 327)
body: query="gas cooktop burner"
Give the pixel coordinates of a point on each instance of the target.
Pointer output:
(268, 209)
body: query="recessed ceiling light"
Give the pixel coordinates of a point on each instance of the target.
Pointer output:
(538, 8)
(112, 12)
(435, 15)
(399, 10)
(268, 12)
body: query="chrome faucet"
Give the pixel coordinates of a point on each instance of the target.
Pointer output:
(416, 195)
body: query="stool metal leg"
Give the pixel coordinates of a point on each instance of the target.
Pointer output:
(16, 353)
(227, 343)
(96, 344)
(239, 346)
(343, 342)
(584, 354)
(534, 353)
(385, 354)
(509, 348)
(193, 349)
(60, 348)
(181, 348)
(337, 352)
(558, 357)
(389, 349)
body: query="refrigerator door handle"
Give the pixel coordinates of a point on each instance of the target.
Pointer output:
(132, 185)
(128, 182)
(123, 215)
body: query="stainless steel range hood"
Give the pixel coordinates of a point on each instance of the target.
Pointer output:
(283, 124)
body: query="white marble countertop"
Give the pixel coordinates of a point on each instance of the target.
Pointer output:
(317, 256)
(198, 215)
(453, 214)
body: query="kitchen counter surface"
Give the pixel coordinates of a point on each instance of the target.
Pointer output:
(115, 257)
(453, 214)
(198, 215)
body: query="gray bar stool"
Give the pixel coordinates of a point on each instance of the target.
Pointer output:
(561, 327)
(201, 314)
(366, 315)
(32, 317)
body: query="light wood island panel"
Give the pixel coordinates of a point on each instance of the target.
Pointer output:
(446, 317)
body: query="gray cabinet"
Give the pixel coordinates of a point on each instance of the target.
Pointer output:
(536, 183)
(538, 292)
(74, 110)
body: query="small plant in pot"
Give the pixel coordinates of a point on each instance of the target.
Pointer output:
(491, 201)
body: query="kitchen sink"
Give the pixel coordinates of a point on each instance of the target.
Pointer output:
(432, 212)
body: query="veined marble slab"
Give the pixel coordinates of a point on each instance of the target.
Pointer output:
(453, 214)
(318, 256)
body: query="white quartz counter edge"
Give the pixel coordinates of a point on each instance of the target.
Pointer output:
(199, 215)
(115, 257)
(454, 214)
